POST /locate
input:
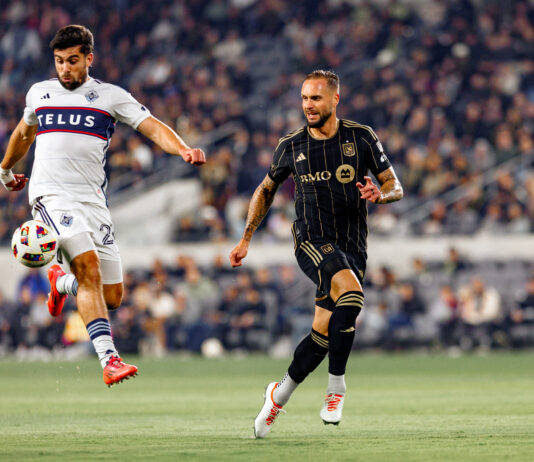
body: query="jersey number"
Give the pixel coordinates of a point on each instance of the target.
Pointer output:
(109, 237)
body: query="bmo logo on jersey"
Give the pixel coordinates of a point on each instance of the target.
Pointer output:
(79, 120)
(317, 176)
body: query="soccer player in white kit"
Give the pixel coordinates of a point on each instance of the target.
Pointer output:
(73, 118)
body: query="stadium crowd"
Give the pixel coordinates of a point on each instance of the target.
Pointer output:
(449, 89)
(454, 304)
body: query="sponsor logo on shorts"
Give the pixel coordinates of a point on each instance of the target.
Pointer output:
(66, 220)
(327, 248)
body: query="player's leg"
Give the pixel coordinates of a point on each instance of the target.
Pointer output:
(111, 281)
(309, 353)
(82, 235)
(113, 295)
(61, 285)
(50, 210)
(307, 356)
(93, 310)
(347, 293)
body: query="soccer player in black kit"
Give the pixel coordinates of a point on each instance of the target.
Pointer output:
(329, 159)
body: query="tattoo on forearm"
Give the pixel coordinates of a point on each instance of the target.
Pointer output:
(391, 189)
(259, 206)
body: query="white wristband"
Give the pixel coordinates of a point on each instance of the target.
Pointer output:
(6, 175)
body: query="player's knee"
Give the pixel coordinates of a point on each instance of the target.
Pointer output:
(321, 321)
(113, 297)
(342, 282)
(113, 301)
(348, 307)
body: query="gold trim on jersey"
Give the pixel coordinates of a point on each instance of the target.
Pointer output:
(351, 124)
(288, 136)
(315, 188)
(330, 188)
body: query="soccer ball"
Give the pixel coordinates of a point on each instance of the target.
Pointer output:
(34, 244)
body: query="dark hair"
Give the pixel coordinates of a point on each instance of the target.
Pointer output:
(72, 35)
(331, 78)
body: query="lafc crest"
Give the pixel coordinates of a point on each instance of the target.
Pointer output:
(348, 149)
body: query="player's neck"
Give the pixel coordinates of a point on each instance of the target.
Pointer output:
(328, 130)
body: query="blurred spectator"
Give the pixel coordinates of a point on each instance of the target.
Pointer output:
(455, 263)
(479, 311)
(523, 309)
(443, 312)
(35, 282)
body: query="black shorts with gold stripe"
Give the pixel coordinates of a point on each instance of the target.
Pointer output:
(320, 260)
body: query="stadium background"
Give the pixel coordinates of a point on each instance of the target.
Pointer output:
(449, 89)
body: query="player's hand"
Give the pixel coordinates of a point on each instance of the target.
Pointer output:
(18, 183)
(369, 190)
(239, 252)
(194, 156)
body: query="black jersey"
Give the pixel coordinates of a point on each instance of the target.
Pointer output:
(327, 201)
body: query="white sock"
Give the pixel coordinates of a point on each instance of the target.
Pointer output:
(284, 389)
(104, 348)
(67, 284)
(100, 332)
(336, 384)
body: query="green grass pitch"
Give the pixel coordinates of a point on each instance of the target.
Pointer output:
(402, 407)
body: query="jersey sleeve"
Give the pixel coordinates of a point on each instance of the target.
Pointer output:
(30, 117)
(377, 159)
(127, 109)
(280, 168)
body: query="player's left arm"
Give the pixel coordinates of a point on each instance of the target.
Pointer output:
(168, 140)
(20, 141)
(390, 188)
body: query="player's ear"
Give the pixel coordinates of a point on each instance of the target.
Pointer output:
(336, 99)
(89, 59)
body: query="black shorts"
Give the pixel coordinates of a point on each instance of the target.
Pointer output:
(320, 260)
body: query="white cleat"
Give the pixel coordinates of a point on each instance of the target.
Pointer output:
(268, 414)
(332, 410)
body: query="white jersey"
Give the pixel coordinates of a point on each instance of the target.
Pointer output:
(73, 135)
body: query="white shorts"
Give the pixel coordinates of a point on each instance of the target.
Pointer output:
(82, 226)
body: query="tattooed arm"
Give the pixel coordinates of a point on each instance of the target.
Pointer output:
(259, 206)
(390, 188)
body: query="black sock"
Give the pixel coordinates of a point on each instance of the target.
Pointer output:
(341, 330)
(308, 355)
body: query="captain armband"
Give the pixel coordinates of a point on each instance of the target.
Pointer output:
(6, 175)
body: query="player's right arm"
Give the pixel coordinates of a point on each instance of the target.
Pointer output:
(262, 199)
(19, 143)
(259, 206)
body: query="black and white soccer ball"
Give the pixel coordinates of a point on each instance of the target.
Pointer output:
(34, 244)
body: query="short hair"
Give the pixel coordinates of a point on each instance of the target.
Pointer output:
(72, 35)
(331, 78)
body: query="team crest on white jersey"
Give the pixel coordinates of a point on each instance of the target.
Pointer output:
(91, 96)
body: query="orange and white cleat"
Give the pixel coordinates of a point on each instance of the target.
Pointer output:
(116, 371)
(55, 299)
(332, 409)
(268, 414)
